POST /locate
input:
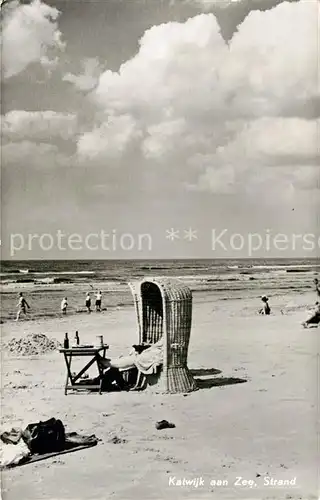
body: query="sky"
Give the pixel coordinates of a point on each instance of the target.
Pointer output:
(176, 119)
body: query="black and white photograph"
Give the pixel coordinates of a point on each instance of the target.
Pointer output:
(160, 250)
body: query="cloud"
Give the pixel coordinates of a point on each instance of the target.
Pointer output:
(188, 69)
(159, 76)
(212, 115)
(231, 13)
(109, 140)
(268, 153)
(30, 34)
(269, 141)
(163, 138)
(216, 180)
(89, 79)
(269, 55)
(34, 156)
(191, 112)
(38, 125)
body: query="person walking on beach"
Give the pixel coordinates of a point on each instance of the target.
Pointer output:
(88, 302)
(316, 282)
(98, 301)
(265, 308)
(22, 305)
(64, 305)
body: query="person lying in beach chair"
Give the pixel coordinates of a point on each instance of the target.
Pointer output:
(129, 372)
(314, 318)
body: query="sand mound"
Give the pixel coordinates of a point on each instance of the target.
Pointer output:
(32, 344)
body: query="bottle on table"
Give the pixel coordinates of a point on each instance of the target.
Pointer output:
(77, 338)
(100, 341)
(66, 341)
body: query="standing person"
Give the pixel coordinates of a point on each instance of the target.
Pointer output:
(88, 302)
(22, 304)
(98, 301)
(64, 305)
(316, 282)
(265, 308)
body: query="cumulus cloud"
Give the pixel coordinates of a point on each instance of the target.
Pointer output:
(87, 80)
(29, 34)
(264, 153)
(171, 137)
(269, 54)
(268, 141)
(208, 115)
(33, 155)
(161, 74)
(196, 103)
(109, 140)
(38, 125)
(188, 68)
(218, 180)
(231, 13)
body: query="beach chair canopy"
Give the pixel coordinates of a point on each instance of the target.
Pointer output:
(164, 310)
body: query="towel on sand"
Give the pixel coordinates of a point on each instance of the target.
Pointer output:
(15, 451)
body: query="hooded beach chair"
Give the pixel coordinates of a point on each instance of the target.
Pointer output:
(164, 310)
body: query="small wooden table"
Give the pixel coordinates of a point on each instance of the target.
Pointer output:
(93, 353)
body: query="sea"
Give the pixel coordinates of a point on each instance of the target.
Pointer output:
(45, 282)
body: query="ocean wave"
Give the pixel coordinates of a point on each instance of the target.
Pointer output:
(285, 266)
(58, 273)
(44, 281)
(307, 270)
(46, 273)
(217, 280)
(10, 272)
(24, 280)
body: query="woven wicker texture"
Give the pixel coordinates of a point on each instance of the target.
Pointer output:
(164, 309)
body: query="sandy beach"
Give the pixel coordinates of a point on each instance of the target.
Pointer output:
(252, 422)
(160, 158)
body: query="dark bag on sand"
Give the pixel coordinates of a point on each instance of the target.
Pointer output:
(45, 437)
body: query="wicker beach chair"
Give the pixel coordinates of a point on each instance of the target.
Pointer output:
(164, 309)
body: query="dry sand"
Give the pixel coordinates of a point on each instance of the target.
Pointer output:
(263, 428)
